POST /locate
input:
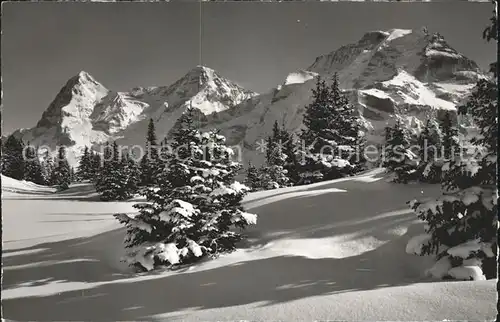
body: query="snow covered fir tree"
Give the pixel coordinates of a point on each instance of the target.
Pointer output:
(61, 174)
(32, 167)
(273, 174)
(397, 155)
(429, 153)
(252, 178)
(331, 134)
(193, 210)
(119, 176)
(12, 158)
(462, 224)
(89, 166)
(149, 160)
(84, 170)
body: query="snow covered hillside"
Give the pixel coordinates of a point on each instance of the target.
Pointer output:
(10, 185)
(316, 253)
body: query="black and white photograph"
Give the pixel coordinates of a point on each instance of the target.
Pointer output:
(249, 161)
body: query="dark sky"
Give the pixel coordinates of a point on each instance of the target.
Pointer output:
(124, 45)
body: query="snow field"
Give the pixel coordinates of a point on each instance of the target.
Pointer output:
(332, 250)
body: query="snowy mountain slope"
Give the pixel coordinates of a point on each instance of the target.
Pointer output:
(86, 113)
(316, 253)
(408, 74)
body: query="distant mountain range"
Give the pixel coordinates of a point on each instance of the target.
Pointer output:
(409, 74)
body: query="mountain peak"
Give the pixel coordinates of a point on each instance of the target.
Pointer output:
(76, 98)
(378, 56)
(83, 74)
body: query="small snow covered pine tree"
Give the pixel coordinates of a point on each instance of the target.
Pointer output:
(290, 150)
(96, 164)
(252, 179)
(462, 224)
(398, 158)
(47, 164)
(72, 175)
(132, 175)
(113, 183)
(32, 166)
(450, 140)
(84, 171)
(274, 175)
(430, 145)
(149, 161)
(12, 158)
(105, 181)
(194, 209)
(330, 134)
(61, 173)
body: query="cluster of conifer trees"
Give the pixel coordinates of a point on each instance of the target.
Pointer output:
(26, 162)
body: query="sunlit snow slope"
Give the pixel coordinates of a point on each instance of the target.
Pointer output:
(328, 251)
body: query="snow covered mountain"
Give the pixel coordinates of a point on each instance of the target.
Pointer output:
(85, 112)
(67, 121)
(408, 74)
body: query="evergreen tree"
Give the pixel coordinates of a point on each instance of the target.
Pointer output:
(252, 179)
(113, 182)
(430, 145)
(84, 171)
(132, 175)
(12, 158)
(398, 158)
(290, 150)
(274, 175)
(450, 137)
(96, 163)
(61, 173)
(48, 166)
(149, 161)
(330, 135)
(72, 175)
(193, 210)
(462, 225)
(452, 153)
(32, 166)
